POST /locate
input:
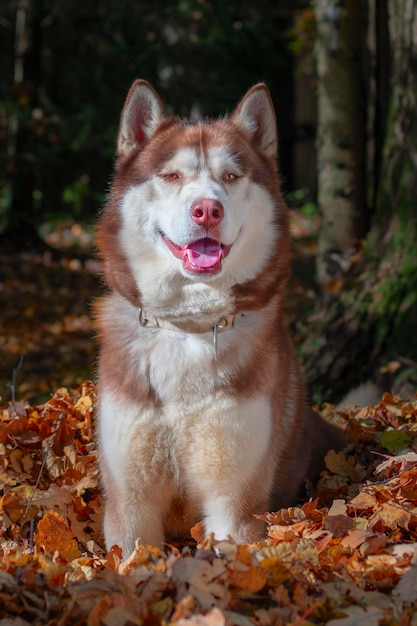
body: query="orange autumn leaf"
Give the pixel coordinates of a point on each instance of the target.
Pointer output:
(114, 557)
(249, 578)
(197, 532)
(54, 534)
(277, 573)
(244, 574)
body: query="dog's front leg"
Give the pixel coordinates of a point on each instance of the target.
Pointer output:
(232, 516)
(135, 473)
(127, 519)
(229, 467)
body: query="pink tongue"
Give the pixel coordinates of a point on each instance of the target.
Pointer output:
(204, 253)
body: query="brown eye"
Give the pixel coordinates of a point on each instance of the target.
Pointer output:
(229, 177)
(171, 177)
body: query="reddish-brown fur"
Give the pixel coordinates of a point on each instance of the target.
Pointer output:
(259, 363)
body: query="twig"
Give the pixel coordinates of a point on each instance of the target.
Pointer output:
(12, 385)
(308, 612)
(31, 534)
(30, 499)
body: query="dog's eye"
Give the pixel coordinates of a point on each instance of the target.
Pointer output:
(229, 177)
(172, 177)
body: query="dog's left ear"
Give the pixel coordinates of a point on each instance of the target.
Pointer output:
(255, 114)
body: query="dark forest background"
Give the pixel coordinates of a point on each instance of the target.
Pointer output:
(343, 77)
(67, 66)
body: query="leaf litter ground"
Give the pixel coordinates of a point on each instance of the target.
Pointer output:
(346, 556)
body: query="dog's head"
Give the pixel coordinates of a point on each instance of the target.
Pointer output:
(195, 207)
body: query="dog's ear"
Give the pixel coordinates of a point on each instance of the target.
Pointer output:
(255, 114)
(142, 113)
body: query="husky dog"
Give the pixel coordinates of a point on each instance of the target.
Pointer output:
(202, 412)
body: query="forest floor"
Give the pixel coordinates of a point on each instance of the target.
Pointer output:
(347, 556)
(46, 299)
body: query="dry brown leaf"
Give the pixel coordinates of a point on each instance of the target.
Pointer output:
(54, 535)
(392, 516)
(347, 466)
(339, 525)
(402, 461)
(338, 508)
(197, 532)
(204, 580)
(249, 579)
(363, 501)
(356, 538)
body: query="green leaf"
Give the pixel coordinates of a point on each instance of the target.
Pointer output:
(395, 441)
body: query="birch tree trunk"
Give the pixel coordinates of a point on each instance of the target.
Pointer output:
(341, 97)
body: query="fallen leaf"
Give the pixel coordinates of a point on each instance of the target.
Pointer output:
(250, 579)
(363, 501)
(347, 466)
(355, 538)
(339, 525)
(404, 461)
(53, 534)
(202, 579)
(338, 508)
(392, 516)
(395, 441)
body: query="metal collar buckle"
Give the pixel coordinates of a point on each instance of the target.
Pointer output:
(218, 327)
(144, 321)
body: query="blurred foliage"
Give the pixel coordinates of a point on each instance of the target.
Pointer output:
(302, 36)
(301, 199)
(58, 123)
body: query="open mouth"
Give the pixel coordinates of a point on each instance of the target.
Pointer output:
(203, 256)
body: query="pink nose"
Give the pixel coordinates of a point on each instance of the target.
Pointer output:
(206, 212)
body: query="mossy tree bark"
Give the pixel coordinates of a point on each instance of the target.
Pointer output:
(392, 243)
(372, 319)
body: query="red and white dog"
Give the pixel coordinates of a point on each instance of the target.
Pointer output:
(202, 413)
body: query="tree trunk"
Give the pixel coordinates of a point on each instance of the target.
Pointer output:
(341, 132)
(394, 233)
(371, 321)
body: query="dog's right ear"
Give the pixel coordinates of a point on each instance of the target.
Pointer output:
(142, 113)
